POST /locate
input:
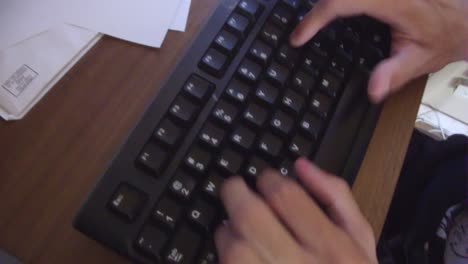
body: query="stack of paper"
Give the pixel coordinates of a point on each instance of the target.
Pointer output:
(46, 38)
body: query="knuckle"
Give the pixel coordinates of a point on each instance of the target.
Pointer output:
(246, 215)
(341, 184)
(283, 192)
(236, 250)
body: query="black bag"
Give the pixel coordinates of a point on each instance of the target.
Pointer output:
(433, 179)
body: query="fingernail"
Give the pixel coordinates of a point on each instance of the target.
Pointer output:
(384, 91)
(293, 38)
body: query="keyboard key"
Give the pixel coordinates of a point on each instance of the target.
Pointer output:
(182, 249)
(182, 185)
(127, 201)
(303, 82)
(286, 169)
(320, 45)
(230, 162)
(237, 90)
(266, 93)
(340, 64)
(270, 145)
(301, 15)
(226, 42)
(183, 110)
(202, 215)
(282, 123)
(287, 55)
(208, 255)
(168, 133)
(347, 46)
(238, 24)
(212, 185)
(214, 62)
(255, 167)
(294, 4)
(249, 71)
(260, 52)
(255, 115)
(321, 104)
(369, 57)
(151, 241)
(330, 31)
(211, 135)
(250, 8)
(277, 74)
(198, 160)
(293, 101)
(243, 138)
(153, 158)
(330, 84)
(312, 63)
(167, 212)
(198, 88)
(300, 147)
(282, 16)
(225, 113)
(271, 34)
(311, 125)
(310, 3)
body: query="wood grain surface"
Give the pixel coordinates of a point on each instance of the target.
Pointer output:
(52, 158)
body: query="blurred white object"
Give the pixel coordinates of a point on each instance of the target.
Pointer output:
(179, 22)
(22, 19)
(438, 125)
(28, 70)
(144, 22)
(462, 92)
(445, 89)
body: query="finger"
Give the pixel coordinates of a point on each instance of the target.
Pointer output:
(254, 222)
(320, 15)
(391, 74)
(231, 249)
(296, 209)
(335, 196)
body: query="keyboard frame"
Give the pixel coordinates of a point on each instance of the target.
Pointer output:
(98, 222)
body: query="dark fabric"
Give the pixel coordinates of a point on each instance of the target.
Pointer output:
(433, 178)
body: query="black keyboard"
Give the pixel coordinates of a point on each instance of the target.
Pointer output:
(240, 100)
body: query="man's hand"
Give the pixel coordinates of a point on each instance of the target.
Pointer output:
(426, 35)
(287, 225)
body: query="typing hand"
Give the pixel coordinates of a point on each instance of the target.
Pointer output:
(426, 35)
(285, 225)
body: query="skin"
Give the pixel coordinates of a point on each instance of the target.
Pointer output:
(426, 35)
(319, 220)
(284, 223)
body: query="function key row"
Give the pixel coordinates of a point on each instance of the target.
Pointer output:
(175, 124)
(227, 41)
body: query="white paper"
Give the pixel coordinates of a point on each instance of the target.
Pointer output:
(440, 92)
(179, 22)
(29, 69)
(141, 21)
(22, 19)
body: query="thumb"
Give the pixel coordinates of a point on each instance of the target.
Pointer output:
(391, 74)
(335, 196)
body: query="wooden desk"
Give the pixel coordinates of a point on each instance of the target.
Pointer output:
(52, 158)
